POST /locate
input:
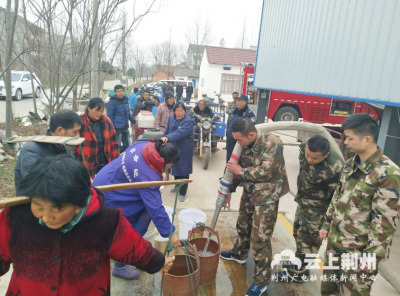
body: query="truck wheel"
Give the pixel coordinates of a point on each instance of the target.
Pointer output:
(287, 114)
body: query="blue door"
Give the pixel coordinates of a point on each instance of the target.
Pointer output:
(194, 83)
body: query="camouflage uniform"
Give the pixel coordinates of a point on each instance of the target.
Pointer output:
(315, 184)
(361, 219)
(265, 181)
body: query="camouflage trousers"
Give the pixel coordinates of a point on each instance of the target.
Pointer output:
(256, 225)
(307, 223)
(345, 282)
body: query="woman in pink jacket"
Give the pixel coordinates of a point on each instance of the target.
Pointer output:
(164, 111)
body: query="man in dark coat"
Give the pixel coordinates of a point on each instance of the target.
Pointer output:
(64, 123)
(143, 103)
(179, 92)
(241, 110)
(170, 88)
(189, 92)
(119, 114)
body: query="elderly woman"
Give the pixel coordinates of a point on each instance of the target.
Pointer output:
(142, 162)
(164, 111)
(62, 241)
(101, 141)
(179, 131)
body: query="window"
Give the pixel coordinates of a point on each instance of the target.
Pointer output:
(27, 76)
(230, 83)
(14, 77)
(342, 107)
(250, 78)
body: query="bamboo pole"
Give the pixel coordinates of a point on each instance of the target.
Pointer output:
(16, 201)
(49, 140)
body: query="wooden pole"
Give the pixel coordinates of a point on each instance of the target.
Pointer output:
(16, 201)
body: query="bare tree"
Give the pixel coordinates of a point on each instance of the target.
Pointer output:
(141, 59)
(11, 20)
(69, 42)
(166, 55)
(199, 32)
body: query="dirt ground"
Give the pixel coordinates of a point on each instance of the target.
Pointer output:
(7, 178)
(7, 166)
(24, 131)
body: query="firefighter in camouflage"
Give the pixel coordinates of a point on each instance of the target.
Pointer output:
(262, 166)
(363, 214)
(316, 182)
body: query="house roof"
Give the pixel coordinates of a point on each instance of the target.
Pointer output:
(187, 72)
(230, 56)
(195, 48)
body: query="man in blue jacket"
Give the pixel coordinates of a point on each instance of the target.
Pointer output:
(119, 114)
(133, 99)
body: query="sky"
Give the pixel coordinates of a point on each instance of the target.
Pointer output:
(226, 17)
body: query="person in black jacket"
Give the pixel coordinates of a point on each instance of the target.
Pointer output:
(179, 92)
(143, 103)
(65, 123)
(241, 110)
(189, 92)
(202, 110)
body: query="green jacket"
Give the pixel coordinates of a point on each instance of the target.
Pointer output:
(263, 170)
(364, 211)
(317, 183)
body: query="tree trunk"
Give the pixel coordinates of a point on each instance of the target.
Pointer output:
(11, 20)
(33, 94)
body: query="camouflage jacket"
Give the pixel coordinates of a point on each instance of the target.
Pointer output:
(316, 183)
(263, 170)
(364, 211)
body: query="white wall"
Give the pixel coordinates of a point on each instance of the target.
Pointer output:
(212, 78)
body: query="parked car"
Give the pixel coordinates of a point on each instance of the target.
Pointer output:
(21, 85)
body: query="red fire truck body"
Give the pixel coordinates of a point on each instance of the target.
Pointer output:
(284, 106)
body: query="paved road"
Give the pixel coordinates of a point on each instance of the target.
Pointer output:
(22, 108)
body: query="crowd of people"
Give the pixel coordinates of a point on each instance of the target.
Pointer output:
(353, 204)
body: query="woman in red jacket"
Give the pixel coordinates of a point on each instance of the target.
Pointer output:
(101, 141)
(61, 243)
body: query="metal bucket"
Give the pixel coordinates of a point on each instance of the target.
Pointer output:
(209, 264)
(177, 281)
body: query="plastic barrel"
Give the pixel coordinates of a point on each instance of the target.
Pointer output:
(188, 219)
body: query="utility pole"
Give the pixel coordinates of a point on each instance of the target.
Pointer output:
(94, 86)
(124, 49)
(244, 30)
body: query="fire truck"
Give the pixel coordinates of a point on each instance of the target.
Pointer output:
(284, 106)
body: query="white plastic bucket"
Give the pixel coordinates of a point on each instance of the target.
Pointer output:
(169, 211)
(145, 120)
(188, 219)
(150, 233)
